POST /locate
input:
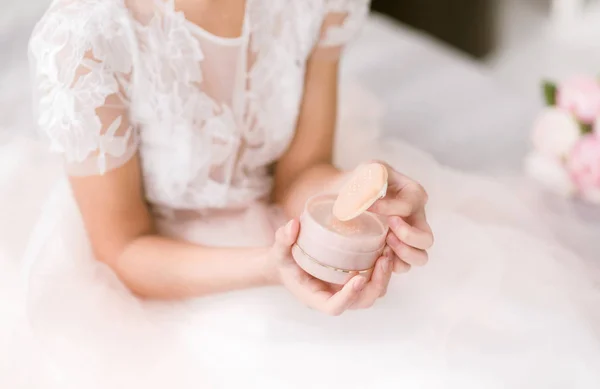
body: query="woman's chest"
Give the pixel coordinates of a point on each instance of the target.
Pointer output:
(220, 108)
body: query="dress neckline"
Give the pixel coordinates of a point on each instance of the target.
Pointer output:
(199, 30)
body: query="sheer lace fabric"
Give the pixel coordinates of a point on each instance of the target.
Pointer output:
(207, 115)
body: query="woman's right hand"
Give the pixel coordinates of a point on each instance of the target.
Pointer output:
(317, 294)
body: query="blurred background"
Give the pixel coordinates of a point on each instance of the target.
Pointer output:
(520, 41)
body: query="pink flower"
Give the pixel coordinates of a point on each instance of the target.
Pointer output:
(581, 96)
(555, 132)
(551, 173)
(584, 165)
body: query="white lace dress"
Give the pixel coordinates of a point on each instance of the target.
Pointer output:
(499, 306)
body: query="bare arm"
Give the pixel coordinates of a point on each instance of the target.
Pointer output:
(123, 236)
(307, 167)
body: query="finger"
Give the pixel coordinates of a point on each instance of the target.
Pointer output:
(406, 253)
(410, 199)
(419, 220)
(391, 206)
(380, 278)
(400, 266)
(403, 183)
(285, 237)
(411, 235)
(378, 283)
(342, 300)
(390, 255)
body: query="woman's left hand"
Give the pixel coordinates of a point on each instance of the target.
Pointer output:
(410, 235)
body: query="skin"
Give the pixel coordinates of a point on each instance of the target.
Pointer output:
(123, 234)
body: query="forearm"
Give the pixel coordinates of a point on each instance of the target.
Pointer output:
(162, 268)
(317, 179)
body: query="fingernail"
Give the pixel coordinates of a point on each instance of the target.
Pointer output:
(359, 284)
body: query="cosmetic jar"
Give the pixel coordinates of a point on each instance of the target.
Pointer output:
(334, 251)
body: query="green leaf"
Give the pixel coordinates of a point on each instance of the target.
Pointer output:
(586, 128)
(550, 90)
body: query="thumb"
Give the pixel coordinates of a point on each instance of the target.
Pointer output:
(286, 236)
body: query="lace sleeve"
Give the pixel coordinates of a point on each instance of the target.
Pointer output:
(343, 20)
(81, 72)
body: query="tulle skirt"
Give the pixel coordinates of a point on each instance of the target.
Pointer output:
(501, 304)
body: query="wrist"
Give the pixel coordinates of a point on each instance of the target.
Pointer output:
(269, 272)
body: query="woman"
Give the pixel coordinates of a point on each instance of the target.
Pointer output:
(192, 130)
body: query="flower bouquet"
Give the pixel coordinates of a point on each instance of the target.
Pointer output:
(566, 139)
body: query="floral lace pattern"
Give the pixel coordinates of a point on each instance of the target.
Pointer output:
(206, 114)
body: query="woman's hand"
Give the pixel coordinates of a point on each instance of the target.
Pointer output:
(410, 235)
(333, 300)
